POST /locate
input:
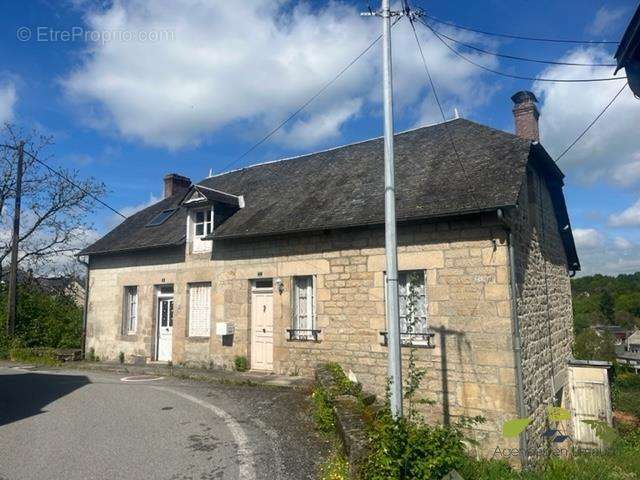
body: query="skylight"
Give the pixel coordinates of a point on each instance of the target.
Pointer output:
(160, 218)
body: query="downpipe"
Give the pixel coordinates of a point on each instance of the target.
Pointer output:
(83, 344)
(517, 340)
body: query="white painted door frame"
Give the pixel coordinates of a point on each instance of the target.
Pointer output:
(164, 326)
(261, 328)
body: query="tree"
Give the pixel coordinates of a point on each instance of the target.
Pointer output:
(55, 215)
(607, 306)
(588, 345)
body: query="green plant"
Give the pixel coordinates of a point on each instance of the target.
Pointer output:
(121, 357)
(240, 363)
(336, 467)
(91, 356)
(40, 356)
(414, 374)
(322, 409)
(410, 449)
(343, 386)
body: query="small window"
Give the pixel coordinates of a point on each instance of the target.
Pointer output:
(160, 218)
(412, 299)
(130, 310)
(202, 222)
(199, 309)
(303, 308)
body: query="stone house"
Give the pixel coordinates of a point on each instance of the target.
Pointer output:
(283, 263)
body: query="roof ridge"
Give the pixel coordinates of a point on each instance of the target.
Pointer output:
(294, 157)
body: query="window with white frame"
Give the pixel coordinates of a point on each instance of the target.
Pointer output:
(130, 324)
(412, 299)
(199, 309)
(303, 307)
(202, 220)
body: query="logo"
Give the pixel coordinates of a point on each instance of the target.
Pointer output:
(556, 434)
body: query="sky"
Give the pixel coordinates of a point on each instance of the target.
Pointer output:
(132, 90)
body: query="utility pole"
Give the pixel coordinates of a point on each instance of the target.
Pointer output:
(390, 244)
(13, 273)
(394, 370)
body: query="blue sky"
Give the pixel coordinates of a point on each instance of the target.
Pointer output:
(216, 76)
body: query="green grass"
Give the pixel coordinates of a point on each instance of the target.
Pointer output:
(336, 467)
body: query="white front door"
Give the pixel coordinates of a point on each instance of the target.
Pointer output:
(165, 328)
(262, 329)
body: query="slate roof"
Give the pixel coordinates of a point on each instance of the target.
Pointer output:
(343, 186)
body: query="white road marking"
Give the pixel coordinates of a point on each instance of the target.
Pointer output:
(135, 378)
(245, 453)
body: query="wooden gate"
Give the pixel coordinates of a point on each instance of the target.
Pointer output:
(590, 400)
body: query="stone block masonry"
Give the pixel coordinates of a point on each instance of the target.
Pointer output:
(465, 261)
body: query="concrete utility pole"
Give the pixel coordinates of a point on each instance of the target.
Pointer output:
(13, 273)
(391, 249)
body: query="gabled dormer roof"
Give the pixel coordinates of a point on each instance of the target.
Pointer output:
(201, 194)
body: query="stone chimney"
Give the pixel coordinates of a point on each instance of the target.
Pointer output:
(525, 114)
(174, 183)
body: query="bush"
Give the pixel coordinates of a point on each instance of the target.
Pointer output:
(241, 364)
(121, 357)
(43, 319)
(322, 410)
(411, 449)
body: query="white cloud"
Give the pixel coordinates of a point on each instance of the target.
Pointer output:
(8, 98)
(251, 62)
(629, 173)
(588, 238)
(612, 145)
(622, 243)
(600, 253)
(606, 18)
(630, 217)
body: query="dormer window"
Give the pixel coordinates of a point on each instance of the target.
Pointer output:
(203, 222)
(201, 226)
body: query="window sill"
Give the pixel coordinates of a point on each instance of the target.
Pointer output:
(302, 335)
(195, 339)
(128, 337)
(413, 340)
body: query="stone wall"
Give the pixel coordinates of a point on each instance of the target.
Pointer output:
(544, 303)
(469, 372)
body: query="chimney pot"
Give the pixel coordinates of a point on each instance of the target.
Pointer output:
(526, 114)
(174, 183)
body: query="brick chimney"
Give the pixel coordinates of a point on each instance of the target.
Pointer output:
(174, 183)
(525, 114)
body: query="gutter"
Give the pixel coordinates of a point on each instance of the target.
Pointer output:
(85, 310)
(517, 340)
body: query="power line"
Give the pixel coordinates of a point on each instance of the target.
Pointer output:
(520, 37)
(306, 104)
(524, 59)
(67, 179)
(517, 77)
(592, 123)
(444, 120)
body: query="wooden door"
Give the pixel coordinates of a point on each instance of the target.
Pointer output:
(165, 328)
(262, 330)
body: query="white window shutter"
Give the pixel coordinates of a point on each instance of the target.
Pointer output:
(199, 310)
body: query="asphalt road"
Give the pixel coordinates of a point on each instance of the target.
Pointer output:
(67, 424)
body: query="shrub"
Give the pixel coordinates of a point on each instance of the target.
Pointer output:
(121, 357)
(91, 356)
(343, 386)
(42, 356)
(322, 410)
(411, 449)
(241, 364)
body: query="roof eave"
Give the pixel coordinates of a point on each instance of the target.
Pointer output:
(85, 253)
(461, 213)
